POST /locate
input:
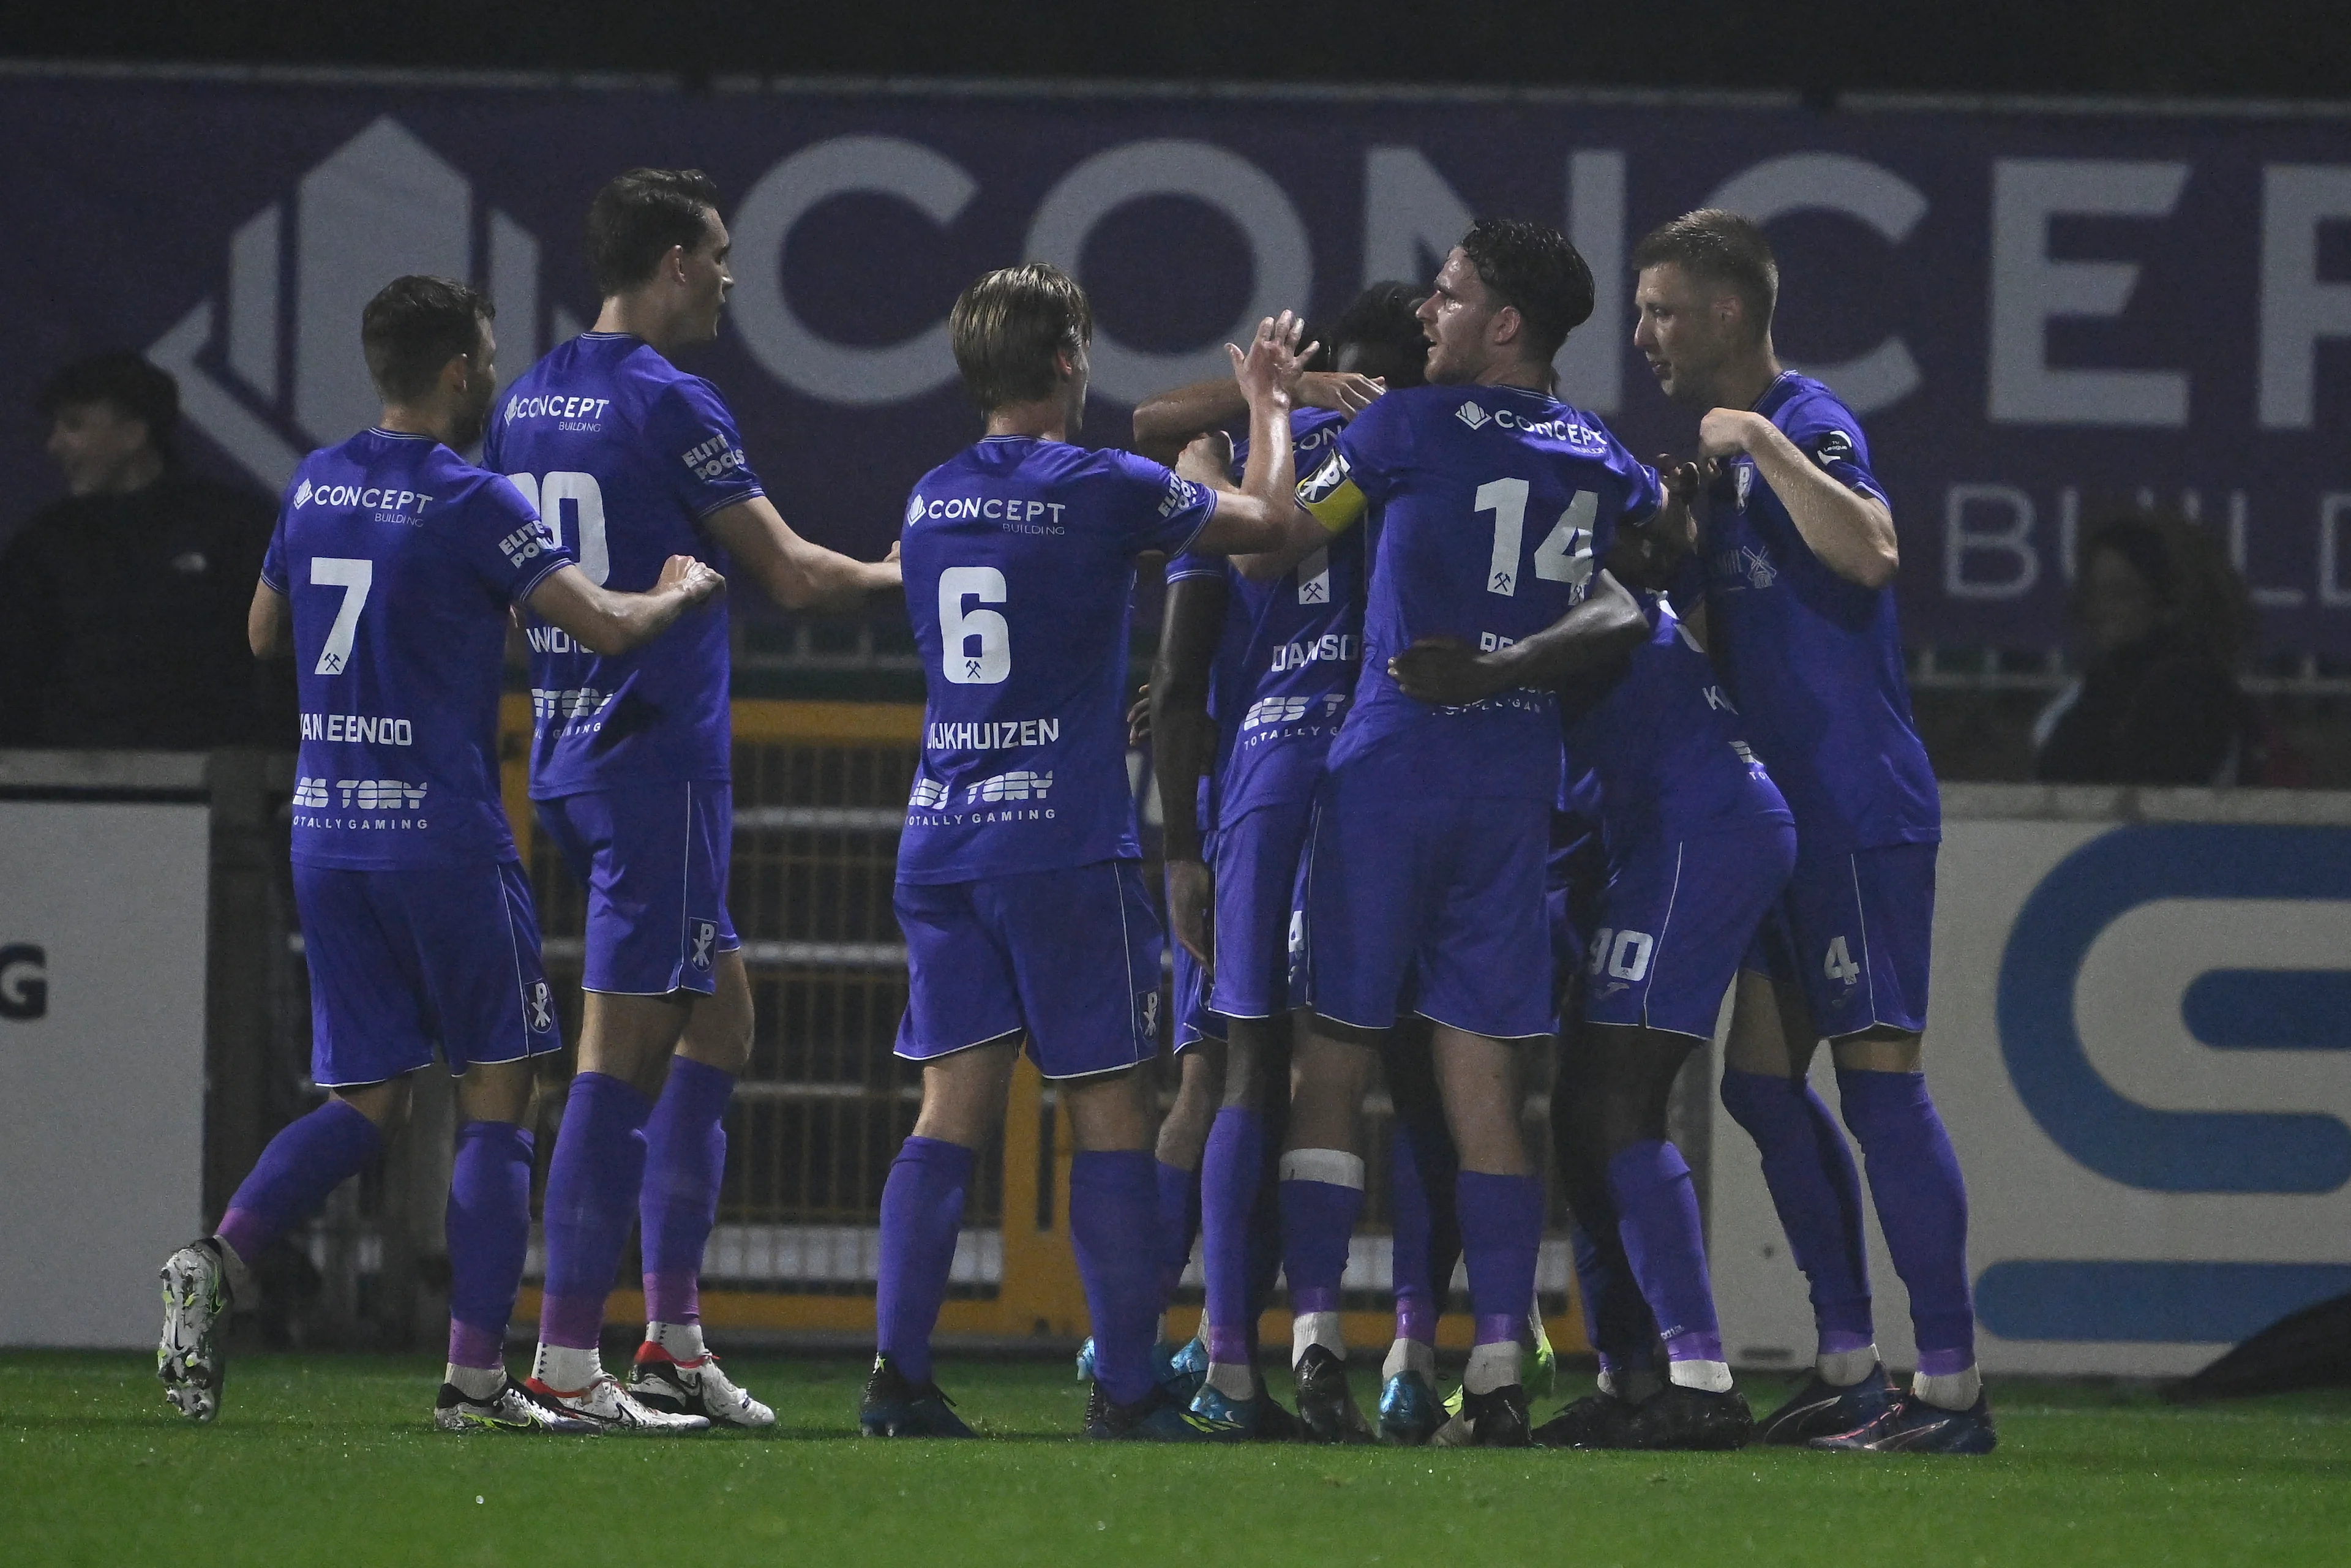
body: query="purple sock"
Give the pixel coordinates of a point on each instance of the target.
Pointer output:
(1422, 1170)
(1317, 1219)
(489, 1227)
(591, 1197)
(686, 1161)
(1808, 1172)
(304, 1162)
(1179, 1222)
(1616, 1319)
(1113, 1199)
(1666, 1245)
(922, 1215)
(1501, 1231)
(1231, 1169)
(1922, 1206)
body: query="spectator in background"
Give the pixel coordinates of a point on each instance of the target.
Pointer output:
(123, 606)
(2166, 619)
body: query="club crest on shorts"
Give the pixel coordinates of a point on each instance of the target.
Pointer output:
(540, 1005)
(706, 940)
(1146, 1014)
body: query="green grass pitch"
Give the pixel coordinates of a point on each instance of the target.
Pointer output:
(329, 1459)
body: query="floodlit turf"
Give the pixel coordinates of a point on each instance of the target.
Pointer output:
(326, 1458)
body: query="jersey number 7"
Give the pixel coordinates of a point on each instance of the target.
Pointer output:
(354, 577)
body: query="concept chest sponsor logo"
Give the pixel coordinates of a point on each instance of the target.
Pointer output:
(24, 982)
(367, 497)
(587, 410)
(266, 382)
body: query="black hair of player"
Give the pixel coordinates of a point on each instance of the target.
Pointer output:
(1008, 328)
(1722, 248)
(416, 325)
(638, 215)
(1532, 266)
(1384, 318)
(129, 385)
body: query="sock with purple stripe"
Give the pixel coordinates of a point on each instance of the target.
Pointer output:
(1922, 1206)
(686, 1162)
(488, 1228)
(1318, 1217)
(304, 1162)
(1501, 1231)
(1179, 1224)
(591, 1199)
(1113, 1197)
(922, 1215)
(1809, 1174)
(1426, 1236)
(1664, 1244)
(1231, 1170)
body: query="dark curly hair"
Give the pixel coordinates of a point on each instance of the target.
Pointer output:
(1533, 267)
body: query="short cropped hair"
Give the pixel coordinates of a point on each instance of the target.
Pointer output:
(414, 327)
(1384, 315)
(638, 215)
(1533, 267)
(1007, 327)
(1722, 248)
(135, 389)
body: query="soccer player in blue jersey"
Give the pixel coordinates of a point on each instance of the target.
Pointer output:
(1798, 557)
(1699, 845)
(1251, 683)
(1018, 886)
(1489, 501)
(631, 460)
(390, 579)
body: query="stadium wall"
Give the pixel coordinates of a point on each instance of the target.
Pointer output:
(2038, 309)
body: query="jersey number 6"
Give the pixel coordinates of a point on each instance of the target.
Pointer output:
(975, 646)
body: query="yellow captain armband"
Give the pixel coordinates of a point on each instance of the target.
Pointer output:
(1331, 496)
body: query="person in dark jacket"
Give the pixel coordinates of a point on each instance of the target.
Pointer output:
(123, 606)
(2166, 617)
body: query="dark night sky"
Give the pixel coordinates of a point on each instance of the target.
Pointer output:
(2287, 48)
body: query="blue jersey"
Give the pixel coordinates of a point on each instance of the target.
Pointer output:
(400, 560)
(1286, 665)
(1653, 748)
(1815, 661)
(1487, 506)
(1019, 564)
(624, 453)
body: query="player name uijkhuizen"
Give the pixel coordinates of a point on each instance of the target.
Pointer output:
(992, 736)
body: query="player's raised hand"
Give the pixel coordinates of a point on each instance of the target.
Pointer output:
(1344, 391)
(691, 576)
(1272, 361)
(1207, 459)
(1444, 672)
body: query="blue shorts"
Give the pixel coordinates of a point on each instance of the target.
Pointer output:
(1676, 915)
(402, 961)
(1194, 1021)
(1444, 894)
(1070, 958)
(1856, 932)
(1257, 859)
(1575, 881)
(653, 860)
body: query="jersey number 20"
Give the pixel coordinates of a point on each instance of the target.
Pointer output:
(975, 644)
(1565, 553)
(546, 496)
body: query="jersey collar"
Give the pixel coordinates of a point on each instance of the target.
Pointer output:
(397, 435)
(1783, 388)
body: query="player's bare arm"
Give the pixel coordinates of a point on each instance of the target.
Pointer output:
(1263, 518)
(606, 622)
(795, 572)
(1166, 422)
(269, 623)
(1852, 533)
(1444, 672)
(1185, 748)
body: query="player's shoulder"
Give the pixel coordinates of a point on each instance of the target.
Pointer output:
(465, 489)
(1803, 408)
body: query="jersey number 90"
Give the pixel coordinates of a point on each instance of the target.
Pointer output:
(975, 644)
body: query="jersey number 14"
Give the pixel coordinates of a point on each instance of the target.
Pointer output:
(1565, 553)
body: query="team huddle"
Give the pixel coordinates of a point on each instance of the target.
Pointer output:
(1477, 737)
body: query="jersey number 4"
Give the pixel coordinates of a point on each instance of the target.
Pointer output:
(1565, 553)
(354, 577)
(975, 644)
